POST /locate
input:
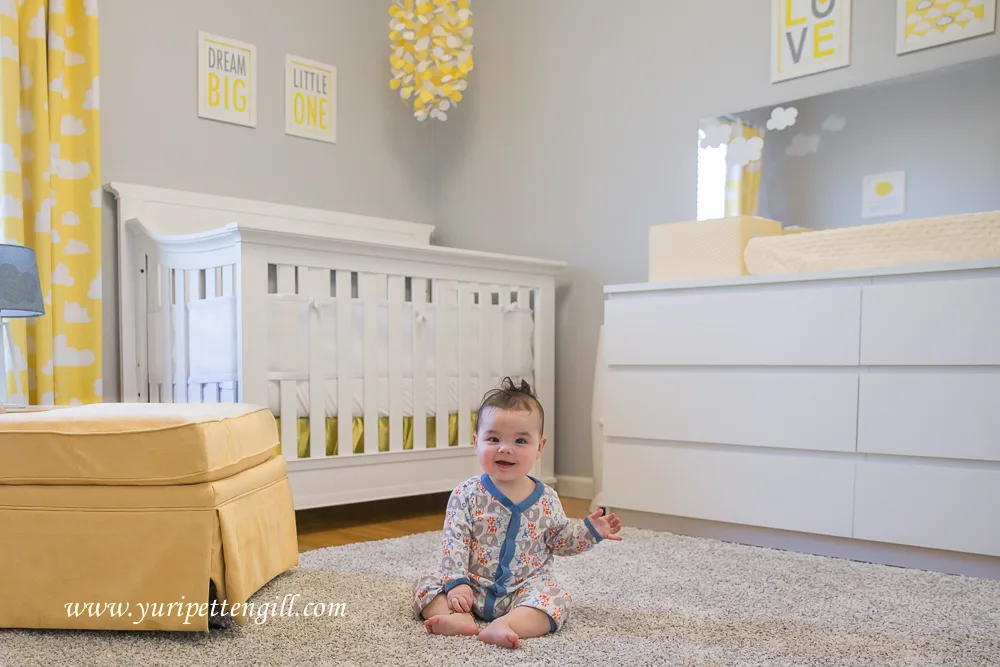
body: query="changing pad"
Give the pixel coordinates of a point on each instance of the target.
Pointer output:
(134, 443)
(923, 240)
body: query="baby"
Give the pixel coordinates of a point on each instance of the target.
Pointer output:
(501, 531)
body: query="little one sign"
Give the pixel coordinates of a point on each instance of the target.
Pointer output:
(310, 99)
(809, 36)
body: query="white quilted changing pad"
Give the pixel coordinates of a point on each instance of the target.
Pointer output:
(924, 240)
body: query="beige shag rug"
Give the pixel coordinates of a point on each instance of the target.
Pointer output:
(652, 599)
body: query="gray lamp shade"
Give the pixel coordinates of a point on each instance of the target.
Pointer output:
(20, 289)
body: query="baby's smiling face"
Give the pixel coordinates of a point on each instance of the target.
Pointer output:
(508, 442)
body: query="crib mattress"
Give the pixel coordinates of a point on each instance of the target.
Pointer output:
(134, 443)
(924, 240)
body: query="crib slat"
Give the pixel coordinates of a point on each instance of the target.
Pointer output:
(228, 390)
(193, 294)
(194, 280)
(211, 282)
(316, 285)
(345, 400)
(167, 309)
(397, 294)
(465, 310)
(286, 279)
(524, 304)
(180, 337)
(445, 306)
(210, 393)
(213, 288)
(544, 363)
(371, 288)
(147, 302)
(484, 353)
(228, 280)
(420, 313)
(543, 313)
(506, 302)
(288, 411)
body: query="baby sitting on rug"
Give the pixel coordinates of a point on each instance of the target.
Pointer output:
(501, 531)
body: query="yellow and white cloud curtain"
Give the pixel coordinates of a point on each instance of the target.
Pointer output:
(51, 193)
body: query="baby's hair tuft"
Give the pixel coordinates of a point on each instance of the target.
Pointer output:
(510, 396)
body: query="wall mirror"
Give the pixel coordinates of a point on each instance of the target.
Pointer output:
(913, 147)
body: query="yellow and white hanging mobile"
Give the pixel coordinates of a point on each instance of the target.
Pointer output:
(431, 44)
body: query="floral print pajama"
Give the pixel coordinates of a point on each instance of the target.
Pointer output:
(505, 551)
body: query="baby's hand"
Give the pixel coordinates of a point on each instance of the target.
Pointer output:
(606, 526)
(460, 598)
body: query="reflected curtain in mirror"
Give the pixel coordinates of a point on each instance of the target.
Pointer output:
(743, 182)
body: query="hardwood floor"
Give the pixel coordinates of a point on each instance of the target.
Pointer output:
(336, 526)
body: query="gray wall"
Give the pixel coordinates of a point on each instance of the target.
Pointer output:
(940, 128)
(151, 134)
(579, 134)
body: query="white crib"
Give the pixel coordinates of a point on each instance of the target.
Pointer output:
(239, 301)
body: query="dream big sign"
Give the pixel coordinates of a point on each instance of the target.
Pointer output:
(809, 36)
(227, 80)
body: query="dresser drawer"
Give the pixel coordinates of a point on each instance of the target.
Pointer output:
(942, 415)
(802, 492)
(792, 410)
(765, 326)
(941, 322)
(937, 507)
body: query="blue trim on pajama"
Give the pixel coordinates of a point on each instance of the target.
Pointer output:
(503, 572)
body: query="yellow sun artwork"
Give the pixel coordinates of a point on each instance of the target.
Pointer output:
(884, 188)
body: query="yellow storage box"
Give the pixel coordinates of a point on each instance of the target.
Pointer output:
(704, 248)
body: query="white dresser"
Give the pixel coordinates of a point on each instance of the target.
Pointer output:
(855, 405)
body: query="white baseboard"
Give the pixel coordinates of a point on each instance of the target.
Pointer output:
(575, 487)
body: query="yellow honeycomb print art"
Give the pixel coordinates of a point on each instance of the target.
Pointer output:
(933, 22)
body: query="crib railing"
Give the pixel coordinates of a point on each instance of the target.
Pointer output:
(208, 335)
(409, 301)
(174, 278)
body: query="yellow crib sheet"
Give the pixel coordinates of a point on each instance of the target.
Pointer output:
(358, 434)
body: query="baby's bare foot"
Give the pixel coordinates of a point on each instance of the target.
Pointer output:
(501, 635)
(451, 624)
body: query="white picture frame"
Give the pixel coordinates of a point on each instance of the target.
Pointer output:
(911, 14)
(883, 195)
(310, 99)
(227, 80)
(809, 37)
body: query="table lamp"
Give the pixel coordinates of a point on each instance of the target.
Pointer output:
(20, 296)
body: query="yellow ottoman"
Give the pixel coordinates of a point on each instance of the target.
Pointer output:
(120, 516)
